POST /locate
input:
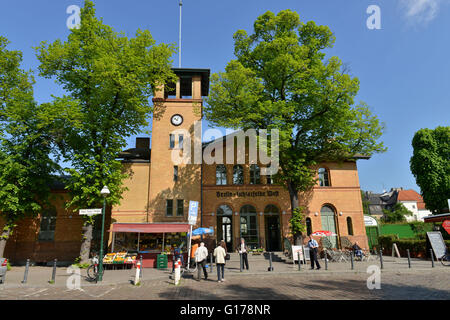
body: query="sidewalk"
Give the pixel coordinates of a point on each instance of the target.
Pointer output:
(40, 276)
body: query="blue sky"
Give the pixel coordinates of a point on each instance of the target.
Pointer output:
(403, 68)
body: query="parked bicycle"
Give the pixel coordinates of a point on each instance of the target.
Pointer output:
(93, 269)
(445, 259)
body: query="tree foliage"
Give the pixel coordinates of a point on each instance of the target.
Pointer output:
(109, 79)
(430, 165)
(282, 80)
(397, 213)
(26, 165)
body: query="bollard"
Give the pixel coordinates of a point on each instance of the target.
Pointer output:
(211, 264)
(177, 272)
(326, 260)
(299, 262)
(25, 276)
(54, 271)
(270, 262)
(240, 260)
(351, 260)
(138, 273)
(409, 258)
(381, 258)
(432, 258)
(142, 268)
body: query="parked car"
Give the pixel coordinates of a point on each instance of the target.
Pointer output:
(3, 268)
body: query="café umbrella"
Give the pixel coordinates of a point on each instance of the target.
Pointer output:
(200, 231)
(323, 233)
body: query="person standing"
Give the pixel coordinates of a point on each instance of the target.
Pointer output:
(313, 250)
(220, 254)
(200, 259)
(243, 250)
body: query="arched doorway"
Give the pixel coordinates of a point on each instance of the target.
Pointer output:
(225, 226)
(272, 228)
(327, 214)
(249, 226)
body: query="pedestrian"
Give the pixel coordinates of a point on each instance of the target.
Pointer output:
(200, 259)
(220, 254)
(313, 245)
(243, 250)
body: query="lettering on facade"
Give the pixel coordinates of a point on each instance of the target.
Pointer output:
(247, 194)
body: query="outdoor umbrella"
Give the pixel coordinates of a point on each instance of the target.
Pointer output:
(323, 233)
(200, 231)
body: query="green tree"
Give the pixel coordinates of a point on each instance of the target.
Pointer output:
(26, 165)
(365, 203)
(397, 213)
(297, 222)
(430, 165)
(281, 80)
(109, 79)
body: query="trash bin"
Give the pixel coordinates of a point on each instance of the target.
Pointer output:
(161, 261)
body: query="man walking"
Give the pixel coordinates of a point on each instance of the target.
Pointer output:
(200, 258)
(243, 250)
(313, 245)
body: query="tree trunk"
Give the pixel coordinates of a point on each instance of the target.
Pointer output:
(3, 239)
(293, 195)
(86, 243)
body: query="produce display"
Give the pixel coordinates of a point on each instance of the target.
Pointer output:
(130, 258)
(120, 257)
(109, 258)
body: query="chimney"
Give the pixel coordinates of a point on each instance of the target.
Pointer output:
(143, 143)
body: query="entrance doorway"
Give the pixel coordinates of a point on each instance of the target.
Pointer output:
(225, 226)
(272, 228)
(329, 223)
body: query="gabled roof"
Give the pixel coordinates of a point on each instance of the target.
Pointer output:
(409, 195)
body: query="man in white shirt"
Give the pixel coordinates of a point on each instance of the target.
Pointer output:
(313, 248)
(243, 250)
(200, 258)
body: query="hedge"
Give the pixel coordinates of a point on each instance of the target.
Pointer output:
(417, 247)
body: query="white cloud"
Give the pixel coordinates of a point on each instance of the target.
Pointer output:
(422, 11)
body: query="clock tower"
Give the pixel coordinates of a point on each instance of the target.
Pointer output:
(176, 128)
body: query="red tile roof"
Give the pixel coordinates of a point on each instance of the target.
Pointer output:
(411, 195)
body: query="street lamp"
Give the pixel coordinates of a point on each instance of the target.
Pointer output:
(105, 192)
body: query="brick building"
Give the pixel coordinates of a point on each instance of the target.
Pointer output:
(235, 199)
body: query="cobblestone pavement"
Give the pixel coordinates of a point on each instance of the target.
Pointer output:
(430, 283)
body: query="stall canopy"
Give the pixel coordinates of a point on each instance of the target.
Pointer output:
(150, 227)
(437, 217)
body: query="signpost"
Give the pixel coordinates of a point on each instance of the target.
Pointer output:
(192, 220)
(437, 243)
(90, 212)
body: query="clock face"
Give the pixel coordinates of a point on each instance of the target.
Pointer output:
(176, 119)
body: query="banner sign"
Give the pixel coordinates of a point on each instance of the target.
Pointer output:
(193, 212)
(370, 222)
(90, 212)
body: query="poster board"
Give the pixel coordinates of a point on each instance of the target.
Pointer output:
(437, 243)
(304, 253)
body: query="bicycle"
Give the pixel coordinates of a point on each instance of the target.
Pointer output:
(445, 260)
(92, 270)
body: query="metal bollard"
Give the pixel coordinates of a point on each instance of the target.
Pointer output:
(326, 260)
(270, 262)
(240, 260)
(409, 258)
(381, 258)
(351, 260)
(25, 276)
(299, 262)
(432, 258)
(211, 264)
(142, 267)
(54, 271)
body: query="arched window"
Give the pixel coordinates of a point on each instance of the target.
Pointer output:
(308, 226)
(249, 226)
(48, 224)
(224, 210)
(271, 210)
(255, 174)
(238, 174)
(323, 177)
(349, 226)
(221, 175)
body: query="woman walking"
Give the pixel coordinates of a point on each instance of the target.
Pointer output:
(220, 254)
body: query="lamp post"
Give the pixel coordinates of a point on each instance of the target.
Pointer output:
(105, 192)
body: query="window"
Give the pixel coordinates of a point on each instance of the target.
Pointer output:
(323, 177)
(180, 141)
(269, 179)
(349, 226)
(249, 226)
(175, 173)
(238, 174)
(224, 210)
(221, 175)
(169, 207)
(171, 141)
(255, 174)
(271, 209)
(308, 226)
(48, 223)
(180, 208)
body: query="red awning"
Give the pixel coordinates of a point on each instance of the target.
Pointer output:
(150, 227)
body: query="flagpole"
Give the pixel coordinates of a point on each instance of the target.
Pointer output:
(179, 38)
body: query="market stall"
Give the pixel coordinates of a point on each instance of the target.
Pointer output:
(148, 240)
